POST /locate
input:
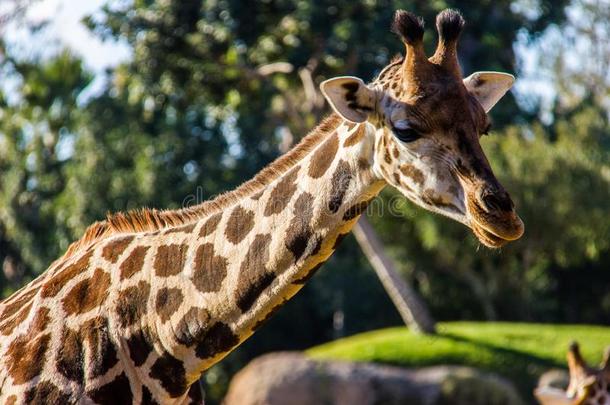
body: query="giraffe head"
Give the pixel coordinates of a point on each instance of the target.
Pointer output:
(428, 121)
(588, 385)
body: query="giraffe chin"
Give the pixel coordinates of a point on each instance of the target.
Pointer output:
(487, 238)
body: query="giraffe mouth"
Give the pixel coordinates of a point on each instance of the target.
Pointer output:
(486, 237)
(491, 239)
(493, 228)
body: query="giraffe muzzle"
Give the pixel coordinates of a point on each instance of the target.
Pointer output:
(493, 218)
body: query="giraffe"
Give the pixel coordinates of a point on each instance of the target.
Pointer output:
(587, 386)
(146, 301)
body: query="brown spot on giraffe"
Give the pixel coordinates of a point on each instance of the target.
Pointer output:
(168, 302)
(59, 280)
(339, 185)
(356, 137)
(432, 198)
(282, 192)
(192, 326)
(210, 225)
(170, 372)
(413, 173)
(219, 338)
(45, 392)
(323, 157)
(147, 398)
(387, 157)
(11, 400)
(26, 357)
(9, 326)
(87, 294)
(70, 357)
(134, 262)
(210, 269)
(131, 303)
(116, 392)
(256, 196)
(240, 223)
(356, 210)
(253, 275)
(40, 321)
(170, 259)
(140, 346)
(395, 152)
(18, 303)
(26, 353)
(102, 354)
(363, 164)
(115, 248)
(182, 229)
(299, 232)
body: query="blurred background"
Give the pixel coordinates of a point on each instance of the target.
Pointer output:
(113, 105)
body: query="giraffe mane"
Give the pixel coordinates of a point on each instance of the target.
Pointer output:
(396, 60)
(150, 219)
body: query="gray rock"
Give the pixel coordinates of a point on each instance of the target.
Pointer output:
(292, 378)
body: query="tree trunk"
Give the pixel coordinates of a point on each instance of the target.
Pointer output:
(412, 309)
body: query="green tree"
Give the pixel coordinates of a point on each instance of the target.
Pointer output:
(35, 137)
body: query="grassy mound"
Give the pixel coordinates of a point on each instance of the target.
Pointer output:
(517, 351)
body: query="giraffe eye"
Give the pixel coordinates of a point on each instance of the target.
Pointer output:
(406, 134)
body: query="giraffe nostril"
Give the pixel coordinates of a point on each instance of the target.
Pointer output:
(498, 201)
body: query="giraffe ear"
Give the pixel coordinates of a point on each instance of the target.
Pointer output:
(488, 87)
(552, 396)
(349, 97)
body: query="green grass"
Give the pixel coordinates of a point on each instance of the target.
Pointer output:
(518, 351)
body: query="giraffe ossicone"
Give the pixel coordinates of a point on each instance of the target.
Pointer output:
(146, 301)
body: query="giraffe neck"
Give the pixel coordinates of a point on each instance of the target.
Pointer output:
(251, 257)
(141, 314)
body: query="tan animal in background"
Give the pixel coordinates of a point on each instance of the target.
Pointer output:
(587, 386)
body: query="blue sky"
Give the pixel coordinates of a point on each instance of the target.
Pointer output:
(66, 30)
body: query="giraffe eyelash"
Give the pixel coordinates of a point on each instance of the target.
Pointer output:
(406, 134)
